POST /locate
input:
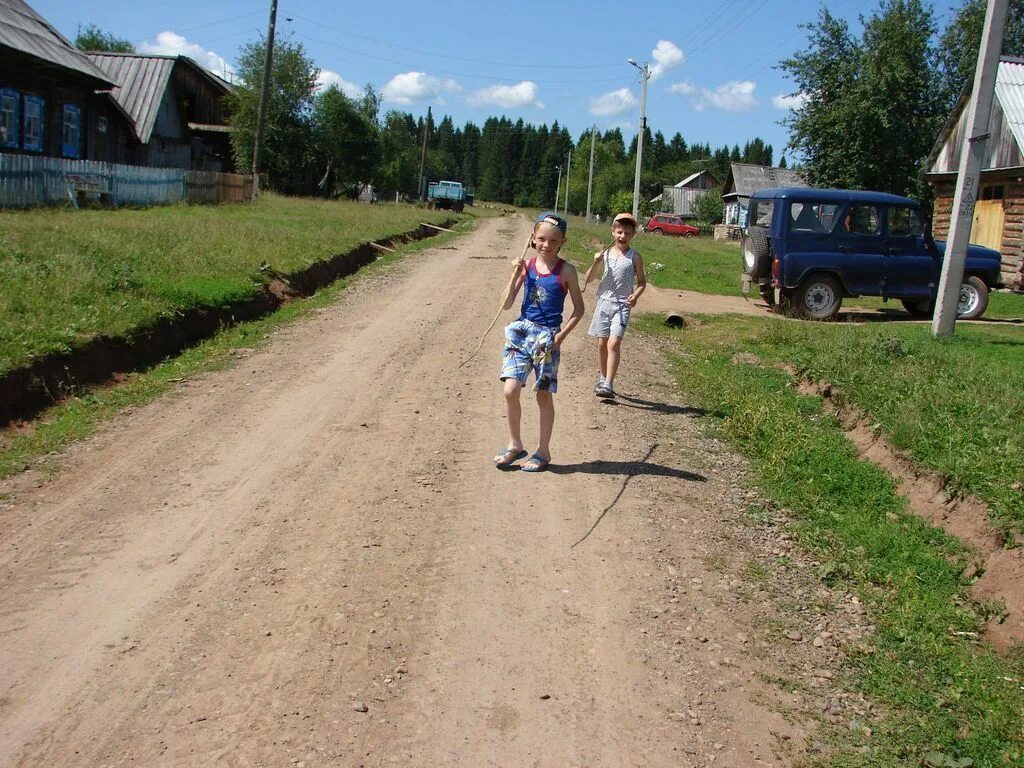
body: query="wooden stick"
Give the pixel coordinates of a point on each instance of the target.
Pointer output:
(434, 226)
(380, 247)
(520, 261)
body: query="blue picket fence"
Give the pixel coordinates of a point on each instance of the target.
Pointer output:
(27, 181)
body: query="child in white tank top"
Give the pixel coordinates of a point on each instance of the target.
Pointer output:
(616, 296)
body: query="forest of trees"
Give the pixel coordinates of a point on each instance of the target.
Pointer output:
(324, 142)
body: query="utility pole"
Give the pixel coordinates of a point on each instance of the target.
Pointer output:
(590, 178)
(645, 75)
(261, 114)
(558, 185)
(568, 172)
(971, 155)
(423, 155)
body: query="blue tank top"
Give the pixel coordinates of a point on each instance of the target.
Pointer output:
(543, 295)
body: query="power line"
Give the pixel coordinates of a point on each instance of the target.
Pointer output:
(516, 65)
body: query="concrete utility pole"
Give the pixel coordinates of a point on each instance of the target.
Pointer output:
(971, 156)
(645, 75)
(590, 178)
(558, 185)
(568, 171)
(261, 114)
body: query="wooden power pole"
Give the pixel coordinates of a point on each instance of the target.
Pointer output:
(261, 115)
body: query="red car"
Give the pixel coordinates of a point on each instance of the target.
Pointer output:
(669, 224)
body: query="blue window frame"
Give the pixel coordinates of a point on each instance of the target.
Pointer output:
(69, 131)
(32, 123)
(9, 117)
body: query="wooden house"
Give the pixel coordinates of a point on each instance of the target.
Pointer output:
(54, 101)
(679, 198)
(745, 179)
(999, 209)
(176, 107)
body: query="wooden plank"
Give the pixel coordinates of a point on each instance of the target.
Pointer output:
(434, 226)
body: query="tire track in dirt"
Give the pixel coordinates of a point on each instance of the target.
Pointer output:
(231, 575)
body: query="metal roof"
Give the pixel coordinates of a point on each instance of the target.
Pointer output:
(143, 80)
(746, 179)
(1010, 92)
(25, 31)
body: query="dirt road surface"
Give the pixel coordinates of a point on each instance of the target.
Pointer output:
(309, 560)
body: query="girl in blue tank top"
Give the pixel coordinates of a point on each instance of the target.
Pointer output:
(533, 342)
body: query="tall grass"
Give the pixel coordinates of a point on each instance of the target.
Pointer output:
(68, 276)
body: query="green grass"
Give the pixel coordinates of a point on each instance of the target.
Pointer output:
(68, 276)
(943, 700)
(77, 417)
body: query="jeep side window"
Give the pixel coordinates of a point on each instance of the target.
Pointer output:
(760, 213)
(904, 222)
(863, 220)
(811, 217)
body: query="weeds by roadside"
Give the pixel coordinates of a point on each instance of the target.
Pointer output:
(947, 700)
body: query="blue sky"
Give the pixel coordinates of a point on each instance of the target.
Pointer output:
(713, 76)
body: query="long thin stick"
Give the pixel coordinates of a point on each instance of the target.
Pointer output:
(434, 226)
(522, 257)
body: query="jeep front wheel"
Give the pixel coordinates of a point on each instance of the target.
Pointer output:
(973, 298)
(818, 298)
(757, 252)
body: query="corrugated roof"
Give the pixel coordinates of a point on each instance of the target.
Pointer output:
(747, 179)
(25, 31)
(1010, 92)
(143, 82)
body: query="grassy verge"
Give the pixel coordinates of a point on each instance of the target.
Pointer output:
(945, 701)
(68, 276)
(78, 417)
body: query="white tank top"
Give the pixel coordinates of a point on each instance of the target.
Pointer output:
(617, 282)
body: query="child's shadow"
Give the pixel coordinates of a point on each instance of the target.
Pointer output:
(649, 405)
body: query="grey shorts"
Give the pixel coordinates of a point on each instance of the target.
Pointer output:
(610, 319)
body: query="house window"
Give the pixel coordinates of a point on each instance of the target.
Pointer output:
(101, 124)
(8, 118)
(993, 192)
(69, 144)
(32, 124)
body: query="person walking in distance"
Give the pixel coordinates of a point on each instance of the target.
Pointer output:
(621, 284)
(534, 341)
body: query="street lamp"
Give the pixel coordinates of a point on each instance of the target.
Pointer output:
(645, 74)
(558, 185)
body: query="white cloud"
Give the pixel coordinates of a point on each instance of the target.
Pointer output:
(789, 101)
(734, 96)
(328, 78)
(412, 87)
(615, 103)
(509, 96)
(173, 44)
(666, 55)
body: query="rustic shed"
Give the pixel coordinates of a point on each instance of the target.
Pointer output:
(177, 110)
(999, 209)
(54, 102)
(683, 194)
(745, 179)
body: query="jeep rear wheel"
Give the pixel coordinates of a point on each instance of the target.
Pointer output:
(973, 298)
(757, 252)
(818, 298)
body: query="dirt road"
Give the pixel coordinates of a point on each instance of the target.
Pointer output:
(309, 560)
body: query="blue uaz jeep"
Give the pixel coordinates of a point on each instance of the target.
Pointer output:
(808, 249)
